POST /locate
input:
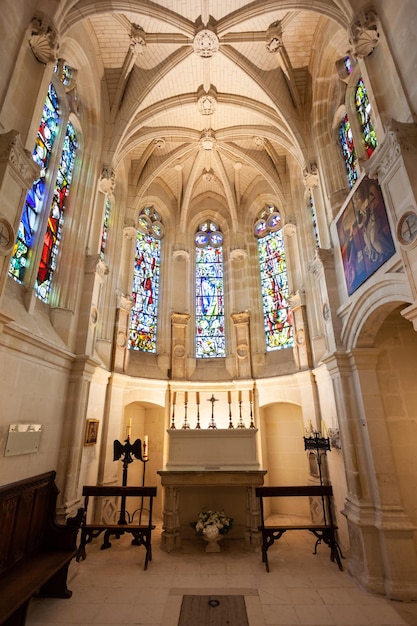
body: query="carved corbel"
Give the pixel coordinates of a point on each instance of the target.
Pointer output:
(107, 181)
(364, 35)
(43, 40)
(310, 175)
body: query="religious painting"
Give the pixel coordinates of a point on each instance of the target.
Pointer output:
(364, 234)
(91, 432)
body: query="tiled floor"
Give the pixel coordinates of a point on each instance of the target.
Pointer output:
(111, 588)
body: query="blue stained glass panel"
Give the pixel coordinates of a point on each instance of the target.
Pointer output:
(145, 294)
(34, 200)
(210, 332)
(274, 289)
(348, 149)
(53, 233)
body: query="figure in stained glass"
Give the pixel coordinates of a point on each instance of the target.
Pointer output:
(145, 286)
(210, 332)
(274, 282)
(53, 232)
(348, 150)
(45, 138)
(363, 109)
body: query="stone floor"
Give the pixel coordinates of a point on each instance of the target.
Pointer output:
(111, 588)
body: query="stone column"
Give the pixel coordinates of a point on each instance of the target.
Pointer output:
(179, 328)
(243, 358)
(302, 349)
(171, 535)
(17, 173)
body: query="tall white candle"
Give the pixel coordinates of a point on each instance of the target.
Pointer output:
(129, 428)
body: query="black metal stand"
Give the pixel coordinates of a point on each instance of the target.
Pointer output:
(319, 445)
(126, 451)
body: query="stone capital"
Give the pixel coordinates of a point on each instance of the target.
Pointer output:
(107, 180)
(310, 175)
(13, 152)
(180, 319)
(240, 319)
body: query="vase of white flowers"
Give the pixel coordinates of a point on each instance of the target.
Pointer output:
(212, 526)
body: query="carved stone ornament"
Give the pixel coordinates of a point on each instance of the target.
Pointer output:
(274, 38)
(310, 175)
(20, 159)
(240, 319)
(125, 303)
(400, 138)
(208, 140)
(334, 436)
(107, 180)
(323, 259)
(207, 104)
(238, 254)
(364, 35)
(137, 40)
(94, 265)
(43, 40)
(206, 43)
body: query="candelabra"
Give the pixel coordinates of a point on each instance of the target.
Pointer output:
(240, 423)
(212, 400)
(252, 423)
(185, 425)
(198, 411)
(230, 412)
(319, 445)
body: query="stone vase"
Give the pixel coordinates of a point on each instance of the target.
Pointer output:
(213, 543)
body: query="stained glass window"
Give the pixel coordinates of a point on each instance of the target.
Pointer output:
(105, 228)
(209, 290)
(53, 233)
(348, 149)
(314, 219)
(274, 281)
(46, 135)
(145, 287)
(363, 109)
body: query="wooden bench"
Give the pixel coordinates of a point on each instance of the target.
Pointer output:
(142, 533)
(35, 550)
(324, 531)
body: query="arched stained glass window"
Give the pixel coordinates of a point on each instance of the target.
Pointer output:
(363, 109)
(274, 281)
(209, 291)
(46, 135)
(53, 233)
(105, 228)
(145, 287)
(348, 149)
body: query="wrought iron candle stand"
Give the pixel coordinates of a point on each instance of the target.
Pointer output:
(319, 445)
(126, 451)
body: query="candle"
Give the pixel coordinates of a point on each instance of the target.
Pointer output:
(240, 396)
(197, 395)
(324, 432)
(145, 448)
(250, 396)
(186, 396)
(129, 428)
(175, 397)
(229, 397)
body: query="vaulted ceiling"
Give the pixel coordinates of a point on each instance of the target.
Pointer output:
(212, 97)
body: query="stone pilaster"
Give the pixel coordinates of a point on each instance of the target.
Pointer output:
(120, 348)
(302, 348)
(179, 332)
(242, 339)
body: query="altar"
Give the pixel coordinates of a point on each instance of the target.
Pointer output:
(214, 469)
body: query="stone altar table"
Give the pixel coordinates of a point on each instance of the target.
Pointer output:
(176, 481)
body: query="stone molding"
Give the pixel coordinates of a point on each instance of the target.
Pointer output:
(13, 151)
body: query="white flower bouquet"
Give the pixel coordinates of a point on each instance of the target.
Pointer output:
(209, 524)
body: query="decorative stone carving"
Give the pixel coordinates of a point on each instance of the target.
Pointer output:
(364, 35)
(180, 254)
(13, 151)
(208, 140)
(323, 259)
(43, 40)
(289, 229)
(107, 180)
(274, 38)
(206, 43)
(137, 39)
(310, 175)
(334, 436)
(238, 254)
(206, 102)
(129, 232)
(401, 138)
(159, 143)
(94, 265)
(259, 141)
(124, 302)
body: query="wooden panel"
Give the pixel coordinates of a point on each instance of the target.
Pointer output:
(213, 611)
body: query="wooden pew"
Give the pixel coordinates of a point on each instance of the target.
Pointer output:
(324, 531)
(142, 533)
(35, 550)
